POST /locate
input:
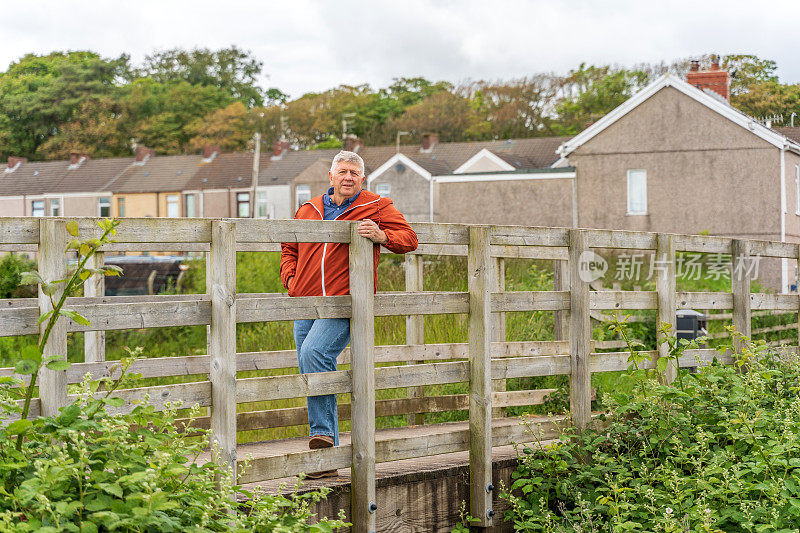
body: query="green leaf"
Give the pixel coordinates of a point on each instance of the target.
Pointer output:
(30, 278)
(75, 316)
(58, 365)
(85, 275)
(84, 249)
(69, 414)
(662, 364)
(8, 380)
(113, 489)
(74, 244)
(49, 288)
(31, 352)
(72, 228)
(18, 427)
(114, 401)
(26, 366)
(44, 317)
(113, 270)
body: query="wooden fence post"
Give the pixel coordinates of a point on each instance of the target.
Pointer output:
(479, 273)
(221, 284)
(580, 334)
(94, 342)
(740, 286)
(666, 291)
(499, 324)
(362, 401)
(415, 328)
(560, 283)
(52, 266)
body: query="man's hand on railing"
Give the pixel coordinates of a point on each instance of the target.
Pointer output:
(371, 231)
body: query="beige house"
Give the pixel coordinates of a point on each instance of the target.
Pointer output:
(677, 158)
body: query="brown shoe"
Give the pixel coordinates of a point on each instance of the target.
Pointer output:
(324, 473)
(320, 441)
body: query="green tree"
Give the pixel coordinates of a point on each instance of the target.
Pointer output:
(100, 128)
(590, 92)
(40, 93)
(233, 71)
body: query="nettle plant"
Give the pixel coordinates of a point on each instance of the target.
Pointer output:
(716, 450)
(95, 468)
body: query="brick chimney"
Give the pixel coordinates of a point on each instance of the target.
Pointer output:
(429, 141)
(210, 152)
(713, 79)
(14, 161)
(278, 148)
(144, 153)
(352, 144)
(76, 159)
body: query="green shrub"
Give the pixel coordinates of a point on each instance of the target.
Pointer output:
(715, 451)
(11, 268)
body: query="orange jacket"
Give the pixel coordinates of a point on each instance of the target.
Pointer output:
(323, 269)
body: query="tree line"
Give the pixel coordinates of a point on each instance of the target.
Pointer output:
(178, 100)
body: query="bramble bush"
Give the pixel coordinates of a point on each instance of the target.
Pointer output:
(717, 450)
(92, 469)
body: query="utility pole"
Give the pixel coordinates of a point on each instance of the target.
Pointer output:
(256, 168)
(399, 133)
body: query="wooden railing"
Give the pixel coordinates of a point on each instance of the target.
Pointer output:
(484, 359)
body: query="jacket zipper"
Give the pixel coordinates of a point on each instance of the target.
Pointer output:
(325, 248)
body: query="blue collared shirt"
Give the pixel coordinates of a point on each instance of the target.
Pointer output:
(331, 209)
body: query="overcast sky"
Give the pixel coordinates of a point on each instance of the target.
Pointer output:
(312, 45)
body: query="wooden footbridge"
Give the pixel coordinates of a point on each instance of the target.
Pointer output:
(485, 362)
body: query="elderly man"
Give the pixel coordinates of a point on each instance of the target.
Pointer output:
(322, 269)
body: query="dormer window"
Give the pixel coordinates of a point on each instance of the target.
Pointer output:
(76, 162)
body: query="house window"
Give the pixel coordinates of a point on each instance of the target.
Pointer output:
(302, 194)
(797, 189)
(173, 206)
(37, 208)
(637, 192)
(104, 207)
(55, 207)
(383, 189)
(243, 204)
(120, 207)
(191, 205)
(261, 204)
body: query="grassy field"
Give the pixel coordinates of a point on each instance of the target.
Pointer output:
(259, 272)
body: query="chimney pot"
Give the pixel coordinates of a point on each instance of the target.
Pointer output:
(714, 79)
(695, 65)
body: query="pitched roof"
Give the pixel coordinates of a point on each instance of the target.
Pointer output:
(157, 174)
(791, 133)
(93, 175)
(714, 103)
(226, 170)
(29, 178)
(443, 158)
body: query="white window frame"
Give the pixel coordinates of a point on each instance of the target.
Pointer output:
(306, 190)
(242, 199)
(797, 189)
(56, 207)
(35, 209)
(173, 202)
(105, 201)
(383, 189)
(262, 210)
(121, 209)
(192, 213)
(631, 173)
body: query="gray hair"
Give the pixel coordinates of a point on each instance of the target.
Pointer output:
(347, 157)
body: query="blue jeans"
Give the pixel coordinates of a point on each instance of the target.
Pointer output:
(319, 342)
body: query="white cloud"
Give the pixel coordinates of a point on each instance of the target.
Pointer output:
(314, 44)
